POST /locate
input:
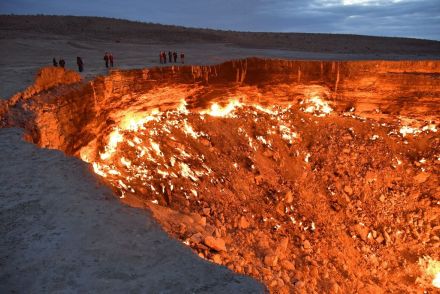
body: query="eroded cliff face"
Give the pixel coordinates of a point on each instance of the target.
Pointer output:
(304, 175)
(68, 118)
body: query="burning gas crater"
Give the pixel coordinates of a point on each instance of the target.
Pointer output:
(133, 156)
(297, 196)
(316, 176)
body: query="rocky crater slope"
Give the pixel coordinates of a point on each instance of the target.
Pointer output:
(309, 176)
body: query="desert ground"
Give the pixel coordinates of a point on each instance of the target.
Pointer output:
(62, 229)
(29, 43)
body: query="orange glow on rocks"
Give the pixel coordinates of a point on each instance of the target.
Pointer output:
(308, 176)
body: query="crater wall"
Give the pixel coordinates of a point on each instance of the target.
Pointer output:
(69, 114)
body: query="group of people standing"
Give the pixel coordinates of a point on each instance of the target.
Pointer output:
(108, 58)
(171, 57)
(62, 63)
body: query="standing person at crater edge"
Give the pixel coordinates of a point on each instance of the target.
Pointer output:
(110, 58)
(175, 56)
(80, 64)
(106, 59)
(62, 63)
(182, 57)
(54, 62)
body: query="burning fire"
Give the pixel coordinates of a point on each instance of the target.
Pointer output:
(162, 156)
(141, 135)
(431, 271)
(218, 111)
(317, 106)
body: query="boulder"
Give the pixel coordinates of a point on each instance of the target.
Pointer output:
(218, 244)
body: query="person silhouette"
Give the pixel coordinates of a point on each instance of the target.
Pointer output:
(80, 64)
(106, 58)
(110, 58)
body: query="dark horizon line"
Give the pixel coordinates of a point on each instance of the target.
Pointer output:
(213, 29)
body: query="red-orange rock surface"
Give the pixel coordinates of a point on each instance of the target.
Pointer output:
(47, 78)
(69, 117)
(306, 203)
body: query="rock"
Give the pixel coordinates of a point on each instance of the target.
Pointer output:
(280, 283)
(217, 244)
(287, 265)
(267, 153)
(347, 137)
(217, 233)
(217, 258)
(280, 208)
(382, 198)
(47, 78)
(362, 231)
(202, 221)
(307, 245)
(283, 244)
(271, 260)
(259, 179)
(243, 223)
(334, 288)
(335, 206)
(198, 219)
(176, 145)
(314, 272)
(379, 239)
(288, 197)
(263, 242)
(196, 238)
(348, 190)
(206, 210)
(285, 278)
(182, 229)
(421, 177)
(299, 285)
(204, 142)
(387, 238)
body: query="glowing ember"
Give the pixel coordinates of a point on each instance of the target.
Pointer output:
(431, 270)
(115, 138)
(436, 281)
(217, 110)
(317, 106)
(287, 134)
(405, 130)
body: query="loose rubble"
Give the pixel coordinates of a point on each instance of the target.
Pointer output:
(343, 205)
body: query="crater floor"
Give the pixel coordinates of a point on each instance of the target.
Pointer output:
(298, 198)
